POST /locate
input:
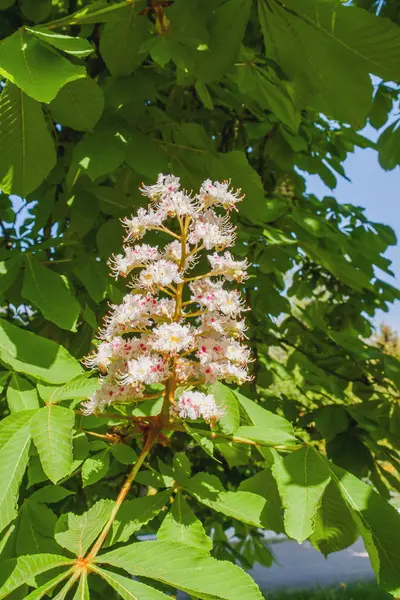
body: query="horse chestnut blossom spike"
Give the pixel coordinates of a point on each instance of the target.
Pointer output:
(178, 327)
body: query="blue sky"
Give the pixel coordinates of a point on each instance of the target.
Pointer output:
(376, 190)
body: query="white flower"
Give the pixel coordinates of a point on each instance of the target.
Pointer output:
(171, 338)
(196, 405)
(145, 220)
(232, 270)
(212, 296)
(107, 394)
(219, 194)
(212, 230)
(138, 256)
(215, 322)
(166, 185)
(159, 274)
(153, 336)
(225, 370)
(177, 204)
(132, 313)
(147, 369)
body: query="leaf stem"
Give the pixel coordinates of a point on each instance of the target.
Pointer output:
(151, 439)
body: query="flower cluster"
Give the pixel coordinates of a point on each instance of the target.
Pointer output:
(175, 328)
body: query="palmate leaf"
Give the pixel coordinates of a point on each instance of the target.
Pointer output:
(379, 525)
(61, 307)
(27, 152)
(52, 431)
(77, 532)
(16, 571)
(38, 70)
(329, 50)
(129, 589)
(14, 456)
(28, 353)
(181, 525)
(185, 568)
(302, 478)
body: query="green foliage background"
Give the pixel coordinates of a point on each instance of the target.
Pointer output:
(96, 98)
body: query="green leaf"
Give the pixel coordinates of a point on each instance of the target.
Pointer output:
(95, 277)
(331, 420)
(182, 467)
(244, 506)
(181, 525)
(234, 454)
(71, 45)
(335, 527)
(379, 524)
(14, 458)
(60, 307)
(388, 146)
(381, 107)
(268, 426)
(267, 435)
(121, 39)
(185, 568)
(264, 484)
(145, 155)
(222, 51)
(97, 154)
(52, 430)
(21, 395)
(95, 467)
(112, 201)
(76, 533)
(124, 454)
(225, 398)
(9, 268)
(302, 478)
(78, 105)
(79, 388)
(305, 41)
(269, 92)
(136, 513)
(203, 441)
(36, 10)
(16, 571)
(13, 423)
(82, 592)
(27, 153)
(38, 70)
(47, 587)
(234, 166)
(51, 494)
(129, 589)
(35, 529)
(34, 355)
